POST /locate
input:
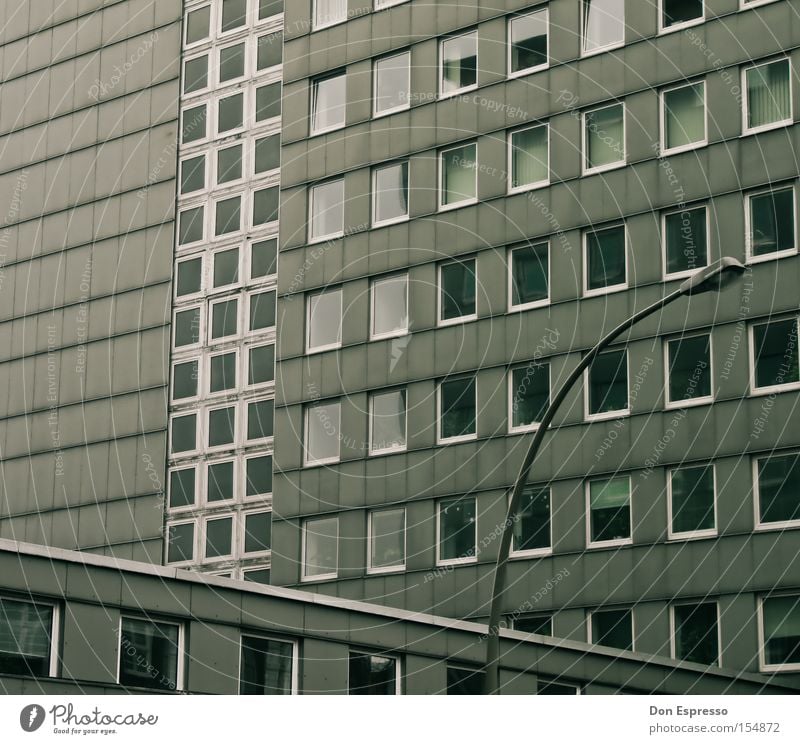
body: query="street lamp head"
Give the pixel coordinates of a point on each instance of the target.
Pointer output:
(713, 278)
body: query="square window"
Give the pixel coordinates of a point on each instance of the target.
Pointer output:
(689, 370)
(604, 137)
(229, 164)
(372, 675)
(608, 384)
(147, 645)
(691, 501)
(184, 380)
(684, 117)
(231, 62)
(328, 12)
(527, 42)
(263, 258)
(320, 549)
(775, 354)
(258, 471)
(610, 510)
(26, 630)
(268, 102)
(696, 636)
(261, 364)
(224, 319)
(193, 174)
(228, 217)
(260, 417)
(268, 153)
(387, 422)
(532, 521)
(219, 538)
(458, 527)
(181, 488)
(465, 681)
(328, 101)
(529, 158)
(262, 311)
(266, 664)
(180, 542)
(390, 306)
(219, 482)
(195, 74)
(392, 82)
(539, 624)
(603, 24)
(605, 259)
(327, 210)
(193, 124)
(528, 395)
(780, 617)
(259, 576)
(459, 176)
(223, 372)
(270, 50)
(529, 275)
(269, 8)
(187, 327)
(685, 241)
(771, 229)
(221, 426)
(459, 63)
(457, 409)
(768, 95)
(680, 12)
(183, 437)
(612, 628)
(324, 320)
(457, 291)
(387, 540)
(390, 190)
(778, 489)
(198, 23)
(257, 532)
(191, 225)
(265, 205)
(322, 433)
(188, 277)
(230, 113)
(234, 14)
(226, 267)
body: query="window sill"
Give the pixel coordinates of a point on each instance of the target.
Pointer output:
(529, 306)
(785, 388)
(666, 152)
(528, 71)
(322, 349)
(321, 463)
(457, 440)
(386, 570)
(389, 112)
(688, 403)
(681, 275)
(527, 429)
(390, 334)
(536, 553)
(600, 50)
(775, 526)
(453, 93)
(387, 451)
(603, 168)
(675, 537)
(663, 30)
(391, 221)
(457, 205)
(765, 257)
(319, 577)
(767, 127)
(600, 291)
(607, 415)
(456, 561)
(609, 544)
(457, 321)
(327, 130)
(325, 238)
(527, 187)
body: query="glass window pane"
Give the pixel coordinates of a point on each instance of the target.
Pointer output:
(265, 205)
(529, 274)
(328, 103)
(220, 482)
(267, 8)
(268, 153)
(234, 14)
(692, 499)
(25, 638)
(779, 488)
(772, 222)
(320, 556)
(459, 171)
(608, 382)
(231, 113)
(263, 258)
(149, 654)
(391, 82)
(324, 319)
(259, 476)
(390, 305)
(540, 624)
(226, 267)
(221, 426)
(191, 225)
(457, 407)
(605, 258)
(327, 210)
(458, 289)
(181, 488)
(261, 365)
(223, 372)
(195, 74)
(782, 630)
(686, 241)
(768, 94)
(184, 380)
(198, 24)
(193, 124)
(266, 666)
(610, 508)
(189, 277)
(465, 681)
(613, 628)
(391, 192)
(228, 216)
(532, 522)
(270, 50)
(605, 141)
(689, 368)
(224, 319)
(322, 433)
(775, 353)
(528, 41)
(529, 157)
(268, 101)
(262, 310)
(459, 62)
(387, 538)
(184, 434)
(696, 636)
(327, 12)
(388, 421)
(684, 116)
(457, 529)
(257, 532)
(530, 394)
(372, 675)
(231, 62)
(229, 164)
(680, 11)
(260, 415)
(259, 576)
(187, 327)
(193, 174)
(219, 535)
(181, 543)
(603, 23)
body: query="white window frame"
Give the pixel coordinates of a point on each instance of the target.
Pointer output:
(762, 641)
(180, 682)
(206, 466)
(245, 417)
(251, 218)
(608, 47)
(403, 106)
(264, 497)
(318, 26)
(608, 415)
(248, 117)
(183, 247)
(510, 163)
(206, 419)
(665, 150)
(588, 505)
(399, 568)
(309, 349)
(211, 307)
(200, 141)
(304, 577)
(463, 437)
(510, 395)
(249, 70)
(267, 331)
(754, 390)
(198, 433)
(664, 260)
(590, 626)
(55, 639)
(386, 450)
(468, 88)
(460, 319)
(748, 221)
(215, 157)
(211, 29)
(767, 526)
(191, 296)
(688, 402)
(535, 552)
(277, 639)
(746, 4)
(587, 170)
(313, 104)
(243, 530)
(672, 629)
(312, 239)
(259, 281)
(399, 331)
(392, 220)
(210, 81)
(746, 130)
(440, 178)
(189, 507)
(210, 560)
(694, 534)
(585, 246)
(179, 522)
(307, 463)
(233, 235)
(207, 362)
(212, 255)
(381, 4)
(206, 181)
(512, 308)
(175, 402)
(200, 327)
(662, 29)
(248, 21)
(464, 559)
(528, 70)
(245, 368)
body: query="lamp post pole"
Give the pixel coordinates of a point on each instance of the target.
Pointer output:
(711, 278)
